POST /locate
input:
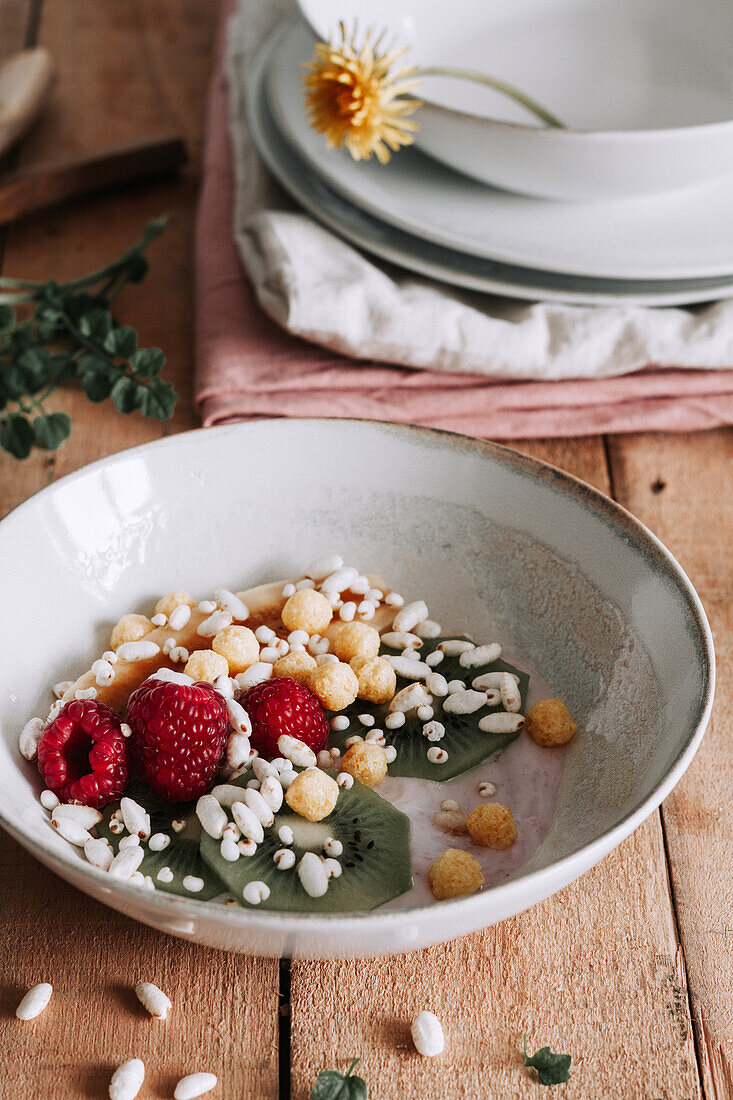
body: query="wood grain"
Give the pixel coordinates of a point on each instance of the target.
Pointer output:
(682, 486)
(125, 71)
(595, 972)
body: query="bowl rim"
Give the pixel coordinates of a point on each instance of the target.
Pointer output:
(564, 133)
(540, 881)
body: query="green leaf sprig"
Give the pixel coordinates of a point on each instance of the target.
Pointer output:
(552, 1069)
(70, 332)
(332, 1085)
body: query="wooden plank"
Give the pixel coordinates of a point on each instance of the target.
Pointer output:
(125, 71)
(224, 1016)
(595, 972)
(682, 487)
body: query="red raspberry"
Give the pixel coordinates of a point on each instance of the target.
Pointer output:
(281, 706)
(83, 756)
(178, 736)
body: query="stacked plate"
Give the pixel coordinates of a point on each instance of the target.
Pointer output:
(637, 245)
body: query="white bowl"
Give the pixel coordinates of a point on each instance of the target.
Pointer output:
(503, 545)
(644, 89)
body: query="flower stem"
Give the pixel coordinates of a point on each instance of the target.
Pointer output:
(498, 86)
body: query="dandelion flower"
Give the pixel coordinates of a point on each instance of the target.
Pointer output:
(354, 98)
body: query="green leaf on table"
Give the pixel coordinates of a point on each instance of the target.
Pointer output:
(121, 342)
(157, 399)
(124, 393)
(96, 325)
(332, 1085)
(16, 436)
(147, 362)
(34, 365)
(95, 378)
(51, 430)
(552, 1069)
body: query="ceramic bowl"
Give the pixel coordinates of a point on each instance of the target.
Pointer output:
(645, 90)
(503, 545)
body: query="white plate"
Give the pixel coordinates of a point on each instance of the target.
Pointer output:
(644, 87)
(619, 632)
(434, 261)
(686, 235)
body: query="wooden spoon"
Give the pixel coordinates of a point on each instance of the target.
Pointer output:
(25, 80)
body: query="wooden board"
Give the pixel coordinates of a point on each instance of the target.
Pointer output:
(682, 487)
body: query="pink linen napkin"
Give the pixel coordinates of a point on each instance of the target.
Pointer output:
(248, 366)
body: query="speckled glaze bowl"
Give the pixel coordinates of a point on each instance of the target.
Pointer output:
(502, 545)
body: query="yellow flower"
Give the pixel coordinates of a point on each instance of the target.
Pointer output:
(356, 101)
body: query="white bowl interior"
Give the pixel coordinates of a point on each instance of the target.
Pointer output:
(597, 64)
(499, 545)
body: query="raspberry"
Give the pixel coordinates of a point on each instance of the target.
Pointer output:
(284, 706)
(83, 756)
(178, 736)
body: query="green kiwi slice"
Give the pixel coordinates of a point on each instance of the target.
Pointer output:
(464, 742)
(182, 855)
(375, 860)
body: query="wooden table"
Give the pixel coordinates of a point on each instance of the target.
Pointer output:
(629, 969)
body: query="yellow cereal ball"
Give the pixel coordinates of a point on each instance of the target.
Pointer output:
(130, 628)
(238, 646)
(377, 679)
(456, 873)
(167, 604)
(355, 640)
(492, 825)
(313, 794)
(298, 666)
(335, 684)
(204, 664)
(549, 723)
(367, 762)
(307, 610)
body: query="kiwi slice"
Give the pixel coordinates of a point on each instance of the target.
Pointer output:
(182, 855)
(375, 861)
(464, 742)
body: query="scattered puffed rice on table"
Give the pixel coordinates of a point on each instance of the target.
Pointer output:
(511, 700)
(393, 599)
(436, 684)
(410, 697)
(138, 651)
(434, 731)
(427, 1034)
(165, 875)
(258, 806)
(247, 847)
(324, 566)
(125, 863)
(491, 680)
(425, 713)
(193, 884)
(230, 601)
(179, 616)
(256, 674)
(34, 1002)
(487, 790)
(285, 834)
(409, 669)
(196, 1084)
(332, 847)
(376, 737)
(454, 647)
(428, 628)
(390, 753)
(153, 1000)
(433, 659)
(228, 848)
(401, 639)
(127, 1080)
(456, 685)
(126, 842)
(340, 723)
(296, 751)
(135, 817)
(63, 686)
(305, 583)
(451, 820)
(395, 720)
(333, 868)
(345, 780)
